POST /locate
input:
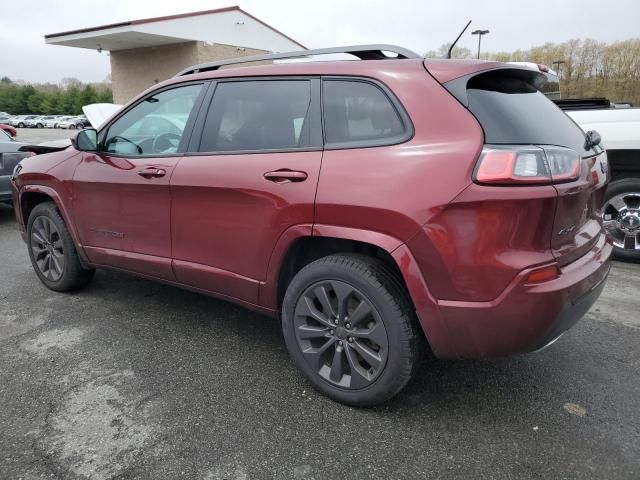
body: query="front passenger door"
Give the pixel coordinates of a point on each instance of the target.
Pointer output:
(121, 193)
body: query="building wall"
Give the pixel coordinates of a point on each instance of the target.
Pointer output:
(208, 52)
(135, 70)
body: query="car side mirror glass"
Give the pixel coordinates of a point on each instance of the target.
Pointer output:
(86, 140)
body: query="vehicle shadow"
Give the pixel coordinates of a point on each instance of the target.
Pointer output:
(438, 386)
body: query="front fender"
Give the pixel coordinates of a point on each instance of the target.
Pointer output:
(53, 194)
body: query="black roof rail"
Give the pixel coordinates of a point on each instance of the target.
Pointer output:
(363, 52)
(590, 103)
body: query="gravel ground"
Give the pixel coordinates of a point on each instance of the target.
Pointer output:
(133, 379)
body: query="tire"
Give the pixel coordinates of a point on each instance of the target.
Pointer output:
(39, 125)
(72, 127)
(64, 272)
(399, 343)
(621, 215)
(21, 125)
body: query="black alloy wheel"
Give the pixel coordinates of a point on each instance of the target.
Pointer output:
(52, 252)
(351, 329)
(48, 250)
(341, 334)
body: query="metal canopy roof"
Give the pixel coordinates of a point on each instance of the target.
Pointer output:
(231, 25)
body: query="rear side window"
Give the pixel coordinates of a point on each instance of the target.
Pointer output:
(512, 110)
(258, 115)
(358, 113)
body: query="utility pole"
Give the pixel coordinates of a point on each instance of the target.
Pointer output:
(480, 33)
(558, 63)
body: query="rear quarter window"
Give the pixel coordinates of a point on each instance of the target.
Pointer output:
(359, 114)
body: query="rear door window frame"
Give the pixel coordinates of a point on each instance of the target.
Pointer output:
(407, 125)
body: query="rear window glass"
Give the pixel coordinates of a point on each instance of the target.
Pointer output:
(357, 111)
(512, 110)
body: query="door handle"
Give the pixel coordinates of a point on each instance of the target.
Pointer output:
(152, 172)
(285, 175)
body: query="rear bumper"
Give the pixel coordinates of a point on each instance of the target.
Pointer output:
(524, 318)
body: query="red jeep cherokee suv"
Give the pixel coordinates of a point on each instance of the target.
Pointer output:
(372, 204)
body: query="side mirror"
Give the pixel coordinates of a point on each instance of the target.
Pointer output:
(86, 140)
(592, 138)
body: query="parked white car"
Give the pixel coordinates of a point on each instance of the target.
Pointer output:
(53, 122)
(74, 123)
(38, 122)
(619, 129)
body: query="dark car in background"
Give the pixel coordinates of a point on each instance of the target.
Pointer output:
(9, 158)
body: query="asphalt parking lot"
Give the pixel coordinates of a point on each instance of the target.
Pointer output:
(38, 135)
(133, 379)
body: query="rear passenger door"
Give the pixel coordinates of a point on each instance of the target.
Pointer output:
(249, 176)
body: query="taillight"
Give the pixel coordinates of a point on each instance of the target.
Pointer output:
(526, 165)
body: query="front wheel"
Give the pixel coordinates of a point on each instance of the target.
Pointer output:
(621, 218)
(52, 251)
(350, 328)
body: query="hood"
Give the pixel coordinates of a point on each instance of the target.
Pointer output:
(99, 113)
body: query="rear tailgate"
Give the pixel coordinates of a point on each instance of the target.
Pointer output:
(578, 221)
(512, 111)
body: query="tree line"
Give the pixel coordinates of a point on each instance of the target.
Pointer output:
(587, 68)
(67, 98)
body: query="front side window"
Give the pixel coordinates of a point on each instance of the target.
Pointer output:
(258, 115)
(155, 125)
(356, 111)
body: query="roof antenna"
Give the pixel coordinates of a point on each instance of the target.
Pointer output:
(456, 40)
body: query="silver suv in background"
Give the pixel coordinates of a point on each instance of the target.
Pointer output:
(38, 122)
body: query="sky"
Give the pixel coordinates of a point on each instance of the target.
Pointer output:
(419, 25)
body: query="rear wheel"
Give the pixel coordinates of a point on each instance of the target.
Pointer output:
(52, 252)
(621, 217)
(350, 327)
